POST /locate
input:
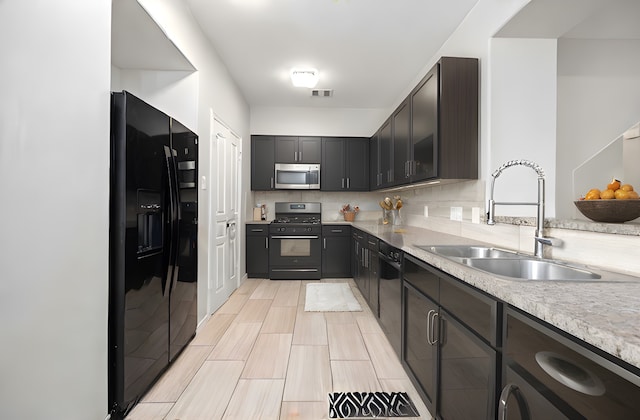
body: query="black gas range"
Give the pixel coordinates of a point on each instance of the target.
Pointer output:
(295, 250)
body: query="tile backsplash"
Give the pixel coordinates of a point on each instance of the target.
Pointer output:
(612, 251)
(438, 198)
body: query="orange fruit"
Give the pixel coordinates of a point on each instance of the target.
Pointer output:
(633, 195)
(614, 184)
(622, 194)
(607, 194)
(626, 187)
(593, 194)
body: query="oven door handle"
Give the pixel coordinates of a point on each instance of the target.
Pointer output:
(296, 237)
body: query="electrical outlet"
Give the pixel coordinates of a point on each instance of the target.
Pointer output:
(456, 213)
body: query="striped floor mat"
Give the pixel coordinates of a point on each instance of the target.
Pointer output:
(343, 405)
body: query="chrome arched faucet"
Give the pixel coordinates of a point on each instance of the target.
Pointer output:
(540, 240)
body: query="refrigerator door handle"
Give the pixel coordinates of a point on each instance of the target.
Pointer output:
(177, 218)
(171, 264)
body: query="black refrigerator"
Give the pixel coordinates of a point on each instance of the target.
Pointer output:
(153, 246)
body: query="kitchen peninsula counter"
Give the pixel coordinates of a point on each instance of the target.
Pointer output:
(605, 314)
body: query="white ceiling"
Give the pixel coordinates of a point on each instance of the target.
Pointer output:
(577, 19)
(137, 42)
(367, 51)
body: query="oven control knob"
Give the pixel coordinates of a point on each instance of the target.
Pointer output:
(308, 229)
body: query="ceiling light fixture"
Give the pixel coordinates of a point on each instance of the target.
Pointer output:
(304, 77)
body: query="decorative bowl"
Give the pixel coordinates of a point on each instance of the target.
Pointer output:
(609, 211)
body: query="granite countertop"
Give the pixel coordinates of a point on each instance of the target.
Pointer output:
(605, 314)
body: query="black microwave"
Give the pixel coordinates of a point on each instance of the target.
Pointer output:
(297, 176)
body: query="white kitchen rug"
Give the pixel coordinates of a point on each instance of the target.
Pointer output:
(330, 297)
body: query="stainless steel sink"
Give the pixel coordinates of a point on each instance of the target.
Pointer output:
(510, 264)
(468, 251)
(525, 268)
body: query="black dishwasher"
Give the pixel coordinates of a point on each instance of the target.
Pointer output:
(390, 294)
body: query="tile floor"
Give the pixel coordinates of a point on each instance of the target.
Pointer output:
(261, 356)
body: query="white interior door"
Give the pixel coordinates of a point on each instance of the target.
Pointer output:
(224, 244)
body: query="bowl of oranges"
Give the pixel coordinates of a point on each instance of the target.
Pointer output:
(618, 203)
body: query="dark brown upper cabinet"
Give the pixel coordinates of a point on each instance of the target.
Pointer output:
(262, 163)
(422, 161)
(374, 162)
(384, 164)
(401, 139)
(345, 164)
(433, 134)
(448, 147)
(294, 149)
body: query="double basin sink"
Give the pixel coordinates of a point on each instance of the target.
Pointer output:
(510, 264)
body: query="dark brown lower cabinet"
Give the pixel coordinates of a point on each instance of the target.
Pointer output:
(472, 357)
(454, 368)
(550, 375)
(257, 250)
(467, 373)
(336, 251)
(365, 266)
(420, 354)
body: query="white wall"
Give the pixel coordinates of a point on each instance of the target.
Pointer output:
(470, 39)
(173, 92)
(523, 120)
(598, 99)
(350, 122)
(54, 183)
(216, 92)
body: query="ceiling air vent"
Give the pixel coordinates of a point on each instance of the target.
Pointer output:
(321, 93)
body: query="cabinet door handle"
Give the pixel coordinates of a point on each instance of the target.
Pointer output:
(348, 183)
(295, 156)
(432, 338)
(342, 184)
(324, 240)
(522, 403)
(271, 182)
(266, 242)
(429, 315)
(435, 333)
(300, 156)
